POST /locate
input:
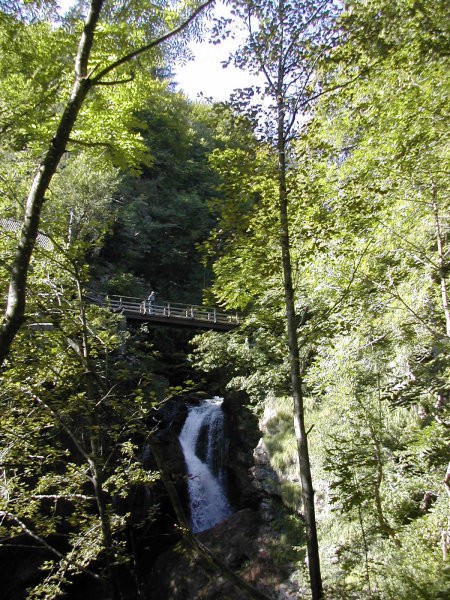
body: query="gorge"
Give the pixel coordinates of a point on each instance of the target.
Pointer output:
(317, 209)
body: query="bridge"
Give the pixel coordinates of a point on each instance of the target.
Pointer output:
(136, 309)
(168, 313)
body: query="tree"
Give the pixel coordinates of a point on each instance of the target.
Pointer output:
(88, 76)
(69, 419)
(165, 210)
(367, 249)
(285, 43)
(380, 372)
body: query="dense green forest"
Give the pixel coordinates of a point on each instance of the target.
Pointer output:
(315, 204)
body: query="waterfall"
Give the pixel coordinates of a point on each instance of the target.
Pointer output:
(202, 441)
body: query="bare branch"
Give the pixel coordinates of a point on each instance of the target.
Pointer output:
(61, 497)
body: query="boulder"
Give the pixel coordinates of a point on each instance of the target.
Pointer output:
(239, 541)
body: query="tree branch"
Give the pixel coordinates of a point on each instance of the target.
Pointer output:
(87, 39)
(7, 515)
(15, 308)
(153, 44)
(117, 81)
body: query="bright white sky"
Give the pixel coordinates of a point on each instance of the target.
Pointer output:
(205, 74)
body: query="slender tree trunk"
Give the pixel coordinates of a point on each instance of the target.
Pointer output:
(441, 261)
(366, 549)
(294, 359)
(15, 308)
(384, 526)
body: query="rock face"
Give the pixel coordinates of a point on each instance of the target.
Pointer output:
(252, 481)
(172, 454)
(240, 542)
(266, 482)
(244, 541)
(242, 434)
(172, 413)
(149, 538)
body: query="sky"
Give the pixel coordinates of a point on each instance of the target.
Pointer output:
(205, 73)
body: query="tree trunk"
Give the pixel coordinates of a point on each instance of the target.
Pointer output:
(15, 308)
(294, 360)
(107, 538)
(95, 459)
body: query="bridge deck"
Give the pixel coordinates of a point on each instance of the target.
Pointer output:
(168, 313)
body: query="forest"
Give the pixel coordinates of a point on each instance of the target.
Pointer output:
(315, 205)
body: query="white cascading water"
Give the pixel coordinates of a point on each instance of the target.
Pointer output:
(202, 441)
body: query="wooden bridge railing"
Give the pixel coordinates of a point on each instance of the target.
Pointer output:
(168, 310)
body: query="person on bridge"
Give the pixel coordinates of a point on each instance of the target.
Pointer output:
(151, 302)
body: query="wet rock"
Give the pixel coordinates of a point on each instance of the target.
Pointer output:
(172, 414)
(242, 434)
(182, 575)
(152, 526)
(266, 483)
(175, 465)
(248, 541)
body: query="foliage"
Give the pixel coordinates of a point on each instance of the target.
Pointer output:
(73, 407)
(368, 224)
(369, 246)
(164, 213)
(36, 73)
(95, 54)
